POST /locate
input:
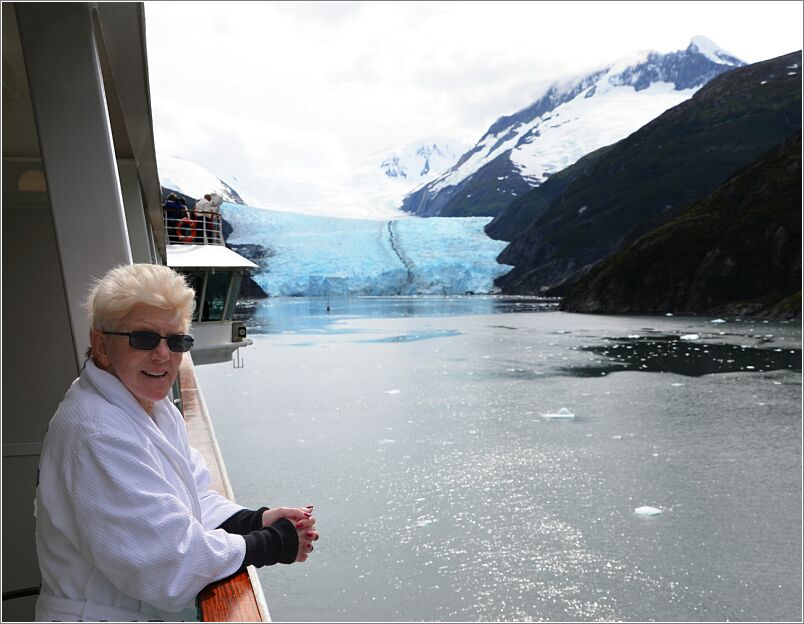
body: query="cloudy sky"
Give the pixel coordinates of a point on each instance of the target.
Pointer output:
(279, 93)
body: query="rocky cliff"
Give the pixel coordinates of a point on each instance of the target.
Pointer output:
(736, 252)
(646, 179)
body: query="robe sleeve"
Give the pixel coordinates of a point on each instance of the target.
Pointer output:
(136, 529)
(215, 508)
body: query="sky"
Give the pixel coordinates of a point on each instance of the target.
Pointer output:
(278, 98)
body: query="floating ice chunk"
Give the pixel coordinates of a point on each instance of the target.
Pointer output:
(392, 392)
(676, 385)
(647, 511)
(423, 522)
(386, 441)
(562, 413)
(691, 337)
(633, 336)
(669, 314)
(717, 320)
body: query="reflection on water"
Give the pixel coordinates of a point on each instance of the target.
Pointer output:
(326, 314)
(692, 357)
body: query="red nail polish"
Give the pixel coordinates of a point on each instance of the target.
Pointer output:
(310, 534)
(299, 525)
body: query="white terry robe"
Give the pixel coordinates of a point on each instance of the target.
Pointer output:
(125, 521)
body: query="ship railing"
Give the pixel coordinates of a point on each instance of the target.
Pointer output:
(237, 598)
(197, 227)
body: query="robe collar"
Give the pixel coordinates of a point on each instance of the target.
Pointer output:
(116, 393)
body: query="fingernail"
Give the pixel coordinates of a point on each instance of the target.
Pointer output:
(307, 515)
(299, 525)
(310, 534)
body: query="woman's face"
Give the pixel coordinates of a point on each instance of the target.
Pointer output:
(148, 375)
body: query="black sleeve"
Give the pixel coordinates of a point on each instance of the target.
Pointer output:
(278, 543)
(244, 521)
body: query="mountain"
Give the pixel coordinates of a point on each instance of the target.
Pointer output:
(384, 178)
(645, 180)
(192, 180)
(736, 252)
(420, 161)
(571, 119)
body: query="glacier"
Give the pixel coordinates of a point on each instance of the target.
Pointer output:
(310, 255)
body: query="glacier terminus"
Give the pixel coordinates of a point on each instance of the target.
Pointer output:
(309, 255)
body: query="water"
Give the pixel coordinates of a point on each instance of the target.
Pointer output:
(416, 428)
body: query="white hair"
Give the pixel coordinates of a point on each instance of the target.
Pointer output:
(114, 295)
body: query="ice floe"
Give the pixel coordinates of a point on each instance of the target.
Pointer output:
(691, 337)
(392, 392)
(562, 413)
(717, 320)
(647, 511)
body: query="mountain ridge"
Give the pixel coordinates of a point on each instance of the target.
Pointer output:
(522, 150)
(645, 179)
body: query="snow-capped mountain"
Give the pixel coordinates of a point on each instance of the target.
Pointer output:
(383, 179)
(420, 161)
(193, 180)
(572, 119)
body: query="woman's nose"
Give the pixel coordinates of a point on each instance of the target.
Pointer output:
(161, 351)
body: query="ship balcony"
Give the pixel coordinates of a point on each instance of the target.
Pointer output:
(197, 227)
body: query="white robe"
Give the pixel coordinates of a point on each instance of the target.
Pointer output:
(125, 520)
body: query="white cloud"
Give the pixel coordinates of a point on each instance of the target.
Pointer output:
(289, 90)
(255, 152)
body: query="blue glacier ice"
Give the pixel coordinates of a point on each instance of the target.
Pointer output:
(318, 256)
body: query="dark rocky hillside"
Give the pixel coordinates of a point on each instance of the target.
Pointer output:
(646, 179)
(736, 252)
(518, 215)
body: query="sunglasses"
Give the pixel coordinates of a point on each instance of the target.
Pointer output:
(147, 340)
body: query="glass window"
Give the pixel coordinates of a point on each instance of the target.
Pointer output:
(196, 281)
(234, 291)
(215, 297)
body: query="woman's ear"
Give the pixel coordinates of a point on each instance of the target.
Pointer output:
(100, 353)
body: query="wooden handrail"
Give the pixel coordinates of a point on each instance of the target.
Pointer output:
(232, 599)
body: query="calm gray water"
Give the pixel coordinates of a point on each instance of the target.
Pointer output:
(416, 428)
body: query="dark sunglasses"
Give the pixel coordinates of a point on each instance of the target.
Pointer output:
(147, 340)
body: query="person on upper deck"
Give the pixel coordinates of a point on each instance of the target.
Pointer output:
(208, 212)
(174, 212)
(126, 525)
(202, 205)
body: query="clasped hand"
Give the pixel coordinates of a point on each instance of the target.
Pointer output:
(303, 520)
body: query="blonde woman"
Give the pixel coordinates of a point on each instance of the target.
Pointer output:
(126, 526)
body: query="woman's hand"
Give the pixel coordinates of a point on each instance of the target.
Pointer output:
(303, 520)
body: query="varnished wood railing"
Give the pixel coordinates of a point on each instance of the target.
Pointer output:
(237, 598)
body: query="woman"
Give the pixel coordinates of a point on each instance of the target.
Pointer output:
(126, 526)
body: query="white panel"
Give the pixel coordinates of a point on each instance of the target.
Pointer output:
(76, 145)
